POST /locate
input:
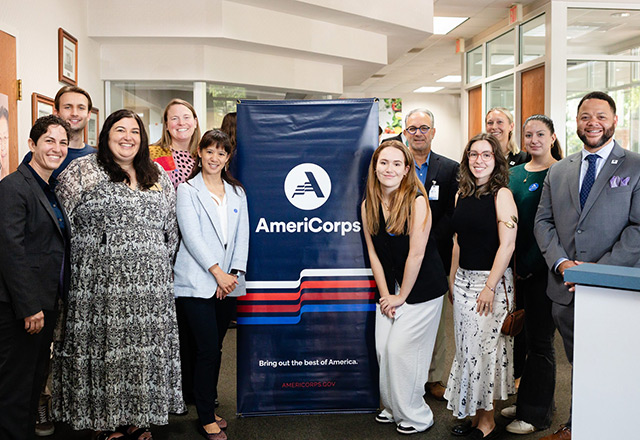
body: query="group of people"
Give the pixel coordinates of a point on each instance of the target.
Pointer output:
(96, 260)
(512, 221)
(130, 257)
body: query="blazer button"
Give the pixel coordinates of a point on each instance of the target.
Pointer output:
(579, 231)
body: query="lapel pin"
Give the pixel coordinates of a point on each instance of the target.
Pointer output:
(614, 161)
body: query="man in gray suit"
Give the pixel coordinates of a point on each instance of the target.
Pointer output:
(589, 212)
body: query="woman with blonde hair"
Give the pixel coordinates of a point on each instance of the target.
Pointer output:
(485, 226)
(499, 122)
(176, 149)
(411, 284)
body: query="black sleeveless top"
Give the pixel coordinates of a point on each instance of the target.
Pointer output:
(475, 222)
(393, 250)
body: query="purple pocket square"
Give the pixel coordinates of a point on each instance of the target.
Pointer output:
(616, 182)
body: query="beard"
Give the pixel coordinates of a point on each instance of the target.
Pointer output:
(604, 139)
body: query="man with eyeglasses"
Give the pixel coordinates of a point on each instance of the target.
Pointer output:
(439, 177)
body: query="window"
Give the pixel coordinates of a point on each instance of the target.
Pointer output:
(474, 64)
(621, 80)
(532, 39)
(500, 93)
(500, 53)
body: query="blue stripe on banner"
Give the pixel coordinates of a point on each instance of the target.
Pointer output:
(310, 308)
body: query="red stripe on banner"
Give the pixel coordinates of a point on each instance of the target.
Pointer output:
(293, 296)
(315, 296)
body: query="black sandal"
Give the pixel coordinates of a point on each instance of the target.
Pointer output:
(135, 434)
(106, 435)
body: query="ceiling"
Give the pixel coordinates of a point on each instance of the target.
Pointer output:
(417, 68)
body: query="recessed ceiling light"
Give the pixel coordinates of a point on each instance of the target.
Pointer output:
(450, 79)
(427, 89)
(444, 25)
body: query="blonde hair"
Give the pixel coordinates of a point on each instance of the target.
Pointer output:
(402, 199)
(512, 146)
(165, 140)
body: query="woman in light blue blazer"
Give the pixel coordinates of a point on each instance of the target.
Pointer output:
(210, 266)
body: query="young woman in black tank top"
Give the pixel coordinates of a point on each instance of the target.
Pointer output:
(411, 283)
(485, 225)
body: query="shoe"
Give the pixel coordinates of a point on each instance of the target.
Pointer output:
(520, 427)
(217, 436)
(410, 429)
(44, 424)
(133, 432)
(509, 412)
(477, 434)
(222, 423)
(564, 433)
(381, 418)
(436, 390)
(406, 429)
(462, 429)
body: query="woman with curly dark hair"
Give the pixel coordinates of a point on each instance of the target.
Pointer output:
(485, 225)
(117, 369)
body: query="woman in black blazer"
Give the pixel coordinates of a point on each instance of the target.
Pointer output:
(33, 275)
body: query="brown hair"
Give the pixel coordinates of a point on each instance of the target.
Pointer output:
(229, 127)
(556, 149)
(401, 199)
(165, 140)
(499, 176)
(147, 172)
(71, 89)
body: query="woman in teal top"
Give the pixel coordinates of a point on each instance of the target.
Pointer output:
(534, 406)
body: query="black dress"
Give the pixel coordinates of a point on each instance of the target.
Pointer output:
(393, 250)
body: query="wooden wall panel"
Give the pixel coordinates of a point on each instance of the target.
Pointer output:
(532, 93)
(476, 118)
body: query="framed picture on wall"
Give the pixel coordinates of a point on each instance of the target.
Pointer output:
(91, 131)
(40, 106)
(67, 58)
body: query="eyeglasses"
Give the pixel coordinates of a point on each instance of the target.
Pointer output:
(424, 129)
(485, 155)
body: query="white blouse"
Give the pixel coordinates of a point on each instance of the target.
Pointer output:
(221, 206)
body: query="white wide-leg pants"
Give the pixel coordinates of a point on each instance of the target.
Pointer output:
(404, 346)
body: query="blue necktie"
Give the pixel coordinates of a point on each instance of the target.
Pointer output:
(589, 178)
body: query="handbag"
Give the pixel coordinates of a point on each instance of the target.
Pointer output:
(514, 322)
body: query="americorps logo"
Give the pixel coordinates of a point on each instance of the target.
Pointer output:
(307, 186)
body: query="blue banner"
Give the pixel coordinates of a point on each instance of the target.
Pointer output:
(306, 325)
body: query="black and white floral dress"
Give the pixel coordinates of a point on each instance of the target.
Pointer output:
(117, 360)
(482, 369)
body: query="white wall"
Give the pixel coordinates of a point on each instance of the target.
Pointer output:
(35, 27)
(446, 112)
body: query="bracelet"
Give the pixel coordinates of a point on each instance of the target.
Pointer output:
(492, 289)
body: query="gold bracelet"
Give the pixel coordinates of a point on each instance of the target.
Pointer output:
(492, 289)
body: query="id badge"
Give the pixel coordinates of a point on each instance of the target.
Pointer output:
(434, 192)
